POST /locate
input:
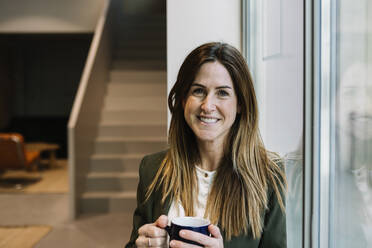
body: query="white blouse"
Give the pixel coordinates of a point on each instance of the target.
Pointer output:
(205, 179)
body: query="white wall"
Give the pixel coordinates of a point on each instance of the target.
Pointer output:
(278, 63)
(279, 73)
(43, 16)
(194, 22)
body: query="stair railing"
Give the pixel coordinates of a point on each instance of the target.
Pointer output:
(85, 114)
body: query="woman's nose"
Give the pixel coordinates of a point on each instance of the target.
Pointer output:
(208, 104)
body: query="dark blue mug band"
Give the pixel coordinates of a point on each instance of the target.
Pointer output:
(174, 230)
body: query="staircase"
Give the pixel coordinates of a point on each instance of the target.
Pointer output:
(133, 118)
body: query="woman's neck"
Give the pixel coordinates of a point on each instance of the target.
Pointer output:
(210, 155)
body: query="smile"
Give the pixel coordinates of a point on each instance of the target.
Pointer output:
(208, 120)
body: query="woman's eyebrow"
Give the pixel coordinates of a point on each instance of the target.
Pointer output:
(219, 87)
(198, 85)
(224, 87)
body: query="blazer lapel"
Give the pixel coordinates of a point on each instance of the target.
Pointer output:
(158, 208)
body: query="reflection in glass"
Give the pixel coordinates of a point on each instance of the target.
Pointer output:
(276, 58)
(294, 173)
(352, 213)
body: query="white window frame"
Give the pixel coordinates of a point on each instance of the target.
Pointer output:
(319, 110)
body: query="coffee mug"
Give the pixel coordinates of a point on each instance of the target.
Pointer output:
(189, 223)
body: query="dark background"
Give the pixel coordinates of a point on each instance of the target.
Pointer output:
(39, 77)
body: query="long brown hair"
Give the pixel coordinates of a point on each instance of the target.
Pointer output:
(239, 193)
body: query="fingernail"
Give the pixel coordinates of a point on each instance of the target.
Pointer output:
(182, 233)
(171, 243)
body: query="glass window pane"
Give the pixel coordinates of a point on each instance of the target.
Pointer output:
(275, 56)
(352, 189)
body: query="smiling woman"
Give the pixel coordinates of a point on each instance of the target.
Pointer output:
(211, 107)
(216, 167)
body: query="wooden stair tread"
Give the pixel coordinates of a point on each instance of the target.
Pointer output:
(104, 195)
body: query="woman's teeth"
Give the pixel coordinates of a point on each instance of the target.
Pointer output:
(208, 120)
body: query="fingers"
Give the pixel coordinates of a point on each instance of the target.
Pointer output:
(197, 237)
(180, 244)
(143, 241)
(153, 235)
(150, 230)
(215, 231)
(162, 221)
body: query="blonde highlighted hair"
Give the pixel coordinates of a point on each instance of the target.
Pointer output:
(239, 193)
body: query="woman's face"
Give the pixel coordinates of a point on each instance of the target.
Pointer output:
(211, 105)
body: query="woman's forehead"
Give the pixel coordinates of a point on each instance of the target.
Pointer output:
(213, 74)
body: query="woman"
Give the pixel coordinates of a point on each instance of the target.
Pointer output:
(216, 166)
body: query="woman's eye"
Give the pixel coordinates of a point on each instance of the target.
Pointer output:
(222, 93)
(198, 91)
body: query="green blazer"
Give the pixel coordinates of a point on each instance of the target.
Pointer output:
(274, 232)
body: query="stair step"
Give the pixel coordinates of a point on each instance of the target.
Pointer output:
(133, 139)
(151, 32)
(139, 116)
(122, 64)
(155, 43)
(111, 181)
(128, 38)
(154, 64)
(140, 53)
(112, 175)
(108, 202)
(136, 89)
(135, 55)
(158, 44)
(134, 76)
(107, 129)
(135, 103)
(115, 162)
(133, 26)
(126, 194)
(129, 145)
(143, 19)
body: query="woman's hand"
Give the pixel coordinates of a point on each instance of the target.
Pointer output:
(216, 241)
(154, 234)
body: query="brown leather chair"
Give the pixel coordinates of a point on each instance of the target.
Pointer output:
(13, 154)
